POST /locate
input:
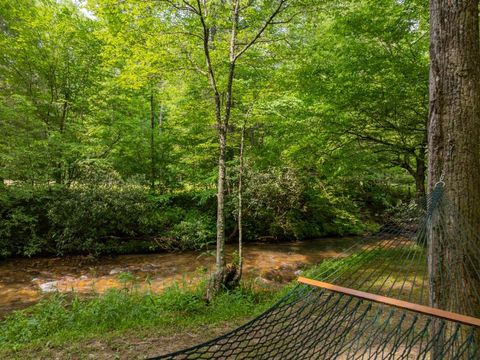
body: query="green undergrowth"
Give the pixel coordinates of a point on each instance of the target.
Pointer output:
(394, 256)
(395, 272)
(62, 318)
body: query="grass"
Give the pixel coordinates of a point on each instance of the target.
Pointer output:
(63, 319)
(395, 272)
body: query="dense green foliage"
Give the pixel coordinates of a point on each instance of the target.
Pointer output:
(101, 219)
(108, 140)
(127, 218)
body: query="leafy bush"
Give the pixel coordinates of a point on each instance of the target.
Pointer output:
(22, 221)
(98, 220)
(196, 231)
(83, 218)
(117, 217)
(279, 204)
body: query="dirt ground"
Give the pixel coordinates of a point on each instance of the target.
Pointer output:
(134, 345)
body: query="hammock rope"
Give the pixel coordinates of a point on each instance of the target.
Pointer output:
(321, 322)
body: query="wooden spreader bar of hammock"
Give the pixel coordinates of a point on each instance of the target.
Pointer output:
(422, 309)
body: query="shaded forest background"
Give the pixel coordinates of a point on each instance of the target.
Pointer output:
(108, 141)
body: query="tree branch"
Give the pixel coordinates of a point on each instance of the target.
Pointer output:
(211, 73)
(187, 7)
(262, 29)
(231, 70)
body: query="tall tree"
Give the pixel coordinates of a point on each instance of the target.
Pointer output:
(370, 73)
(227, 30)
(47, 70)
(454, 148)
(134, 51)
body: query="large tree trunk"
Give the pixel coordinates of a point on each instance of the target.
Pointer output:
(454, 151)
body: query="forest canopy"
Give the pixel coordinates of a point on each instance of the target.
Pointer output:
(110, 123)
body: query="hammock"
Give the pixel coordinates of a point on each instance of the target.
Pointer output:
(372, 301)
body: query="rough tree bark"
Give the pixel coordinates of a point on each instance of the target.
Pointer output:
(454, 150)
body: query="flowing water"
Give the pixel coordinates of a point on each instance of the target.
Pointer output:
(24, 281)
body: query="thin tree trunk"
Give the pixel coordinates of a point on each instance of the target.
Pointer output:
(220, 277)
(240, 204)
(153, 169)
(66, 101)
(421, 168)
(453, 143)
(220, 258)
(63, 117)
(160, 168)
(60, 172)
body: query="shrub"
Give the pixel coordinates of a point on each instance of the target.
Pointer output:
(23, 221)
(196, 231)
(85, 218)
(281, 205)
(99, 219)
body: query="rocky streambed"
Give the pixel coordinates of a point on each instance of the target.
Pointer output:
(24, 281)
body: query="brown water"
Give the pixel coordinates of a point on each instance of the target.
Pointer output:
(24, 281)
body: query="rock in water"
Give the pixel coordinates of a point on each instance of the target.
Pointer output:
(49, 286)
(115, 271)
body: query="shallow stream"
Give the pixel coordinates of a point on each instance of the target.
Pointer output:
(24, 281)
